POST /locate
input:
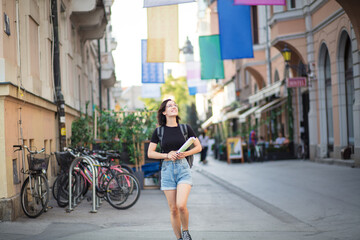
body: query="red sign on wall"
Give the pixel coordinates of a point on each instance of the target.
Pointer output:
(296, 82)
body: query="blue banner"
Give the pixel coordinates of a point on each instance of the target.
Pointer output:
(235, 30)
(151, 72)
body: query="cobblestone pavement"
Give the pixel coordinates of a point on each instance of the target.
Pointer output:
(271, 200)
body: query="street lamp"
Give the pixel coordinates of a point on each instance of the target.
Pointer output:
(286, 52)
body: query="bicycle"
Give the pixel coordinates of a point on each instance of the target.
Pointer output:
(35, 190)
(114, 183)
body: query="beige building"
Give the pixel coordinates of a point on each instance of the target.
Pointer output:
(323, 38)
(28, 89)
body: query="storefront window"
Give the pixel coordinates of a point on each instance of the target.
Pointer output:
(349, 87)
(328, 98)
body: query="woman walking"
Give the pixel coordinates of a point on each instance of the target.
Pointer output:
(176, 180)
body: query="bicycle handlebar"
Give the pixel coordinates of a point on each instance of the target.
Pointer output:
(27, 148)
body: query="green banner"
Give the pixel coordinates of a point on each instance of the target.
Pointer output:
(212, 66)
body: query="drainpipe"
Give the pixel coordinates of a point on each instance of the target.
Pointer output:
(99, 57)
(108, 98)
(268, 56)
(59, 98)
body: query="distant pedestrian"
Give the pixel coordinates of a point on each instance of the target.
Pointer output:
(204, 140)
(176, 180)
(251, 146)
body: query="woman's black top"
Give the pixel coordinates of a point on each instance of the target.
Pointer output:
(173, 138)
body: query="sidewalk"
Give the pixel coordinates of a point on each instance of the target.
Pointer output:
(323, 196)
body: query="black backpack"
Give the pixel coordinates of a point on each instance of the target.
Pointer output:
(184, 131)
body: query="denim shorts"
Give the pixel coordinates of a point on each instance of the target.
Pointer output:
(174, 173)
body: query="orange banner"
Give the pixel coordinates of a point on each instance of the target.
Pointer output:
(163, 34)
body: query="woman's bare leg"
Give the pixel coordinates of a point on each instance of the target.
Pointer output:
(174, 213)
(182, 194)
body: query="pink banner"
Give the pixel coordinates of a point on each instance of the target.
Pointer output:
(260, 2)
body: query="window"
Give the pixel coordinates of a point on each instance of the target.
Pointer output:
(349, 88)
(247, 78)
(34, 49)
(328, 99)
(254, 25)
(292, 4)
(276, 77)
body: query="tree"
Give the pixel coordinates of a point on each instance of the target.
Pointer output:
(192, 118)
(177, 89)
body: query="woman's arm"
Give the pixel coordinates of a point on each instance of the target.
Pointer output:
(155, 155)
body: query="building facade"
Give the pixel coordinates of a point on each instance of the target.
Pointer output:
(51, 52)
(323, 110)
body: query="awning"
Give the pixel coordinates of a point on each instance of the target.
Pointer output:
(242, 117)
(266, 92)
(234, 113)
(207, 122)
(212, 120)
(269, 106)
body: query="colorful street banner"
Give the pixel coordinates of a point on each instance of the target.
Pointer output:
(157, 3)
(151, 90)
(193, 78)
(235, 30)
(260, 2)
(163, 34)
(212, 66)
(151, 72)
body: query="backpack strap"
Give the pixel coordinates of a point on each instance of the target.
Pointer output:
(183, 128)
(160, 134)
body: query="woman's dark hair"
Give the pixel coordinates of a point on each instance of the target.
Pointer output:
(161, 117)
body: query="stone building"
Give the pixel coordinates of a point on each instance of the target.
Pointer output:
(323, 111)
(55, 57)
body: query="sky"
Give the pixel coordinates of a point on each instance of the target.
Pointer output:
(128, 19)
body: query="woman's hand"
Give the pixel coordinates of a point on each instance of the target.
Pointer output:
(181, 155)
(172, 156)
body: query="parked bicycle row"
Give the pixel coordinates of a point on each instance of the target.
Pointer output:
(81, 169)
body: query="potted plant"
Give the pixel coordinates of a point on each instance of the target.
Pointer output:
(136, 127)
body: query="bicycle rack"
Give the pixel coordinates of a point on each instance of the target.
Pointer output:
(95, 199)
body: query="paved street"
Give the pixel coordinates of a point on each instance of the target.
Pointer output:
(271, 200)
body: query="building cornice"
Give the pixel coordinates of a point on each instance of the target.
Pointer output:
(328, 20)
(296, 13)
(10, 90)
(333, 17)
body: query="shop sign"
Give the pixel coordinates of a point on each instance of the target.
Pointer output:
(296, 82)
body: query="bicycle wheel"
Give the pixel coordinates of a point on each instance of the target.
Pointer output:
(55, 188)
(127, 168)
(123, 191)
(63, 189)
(35, 195)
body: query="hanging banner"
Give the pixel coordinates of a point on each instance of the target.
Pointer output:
(151, 72)
(163, 34)
(212, 66)
(193, 77)
(235, 30)
(151, 90)
(260, 2)
(156, 3)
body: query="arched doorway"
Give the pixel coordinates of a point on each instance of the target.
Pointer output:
(326, 104)
(346, 85)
